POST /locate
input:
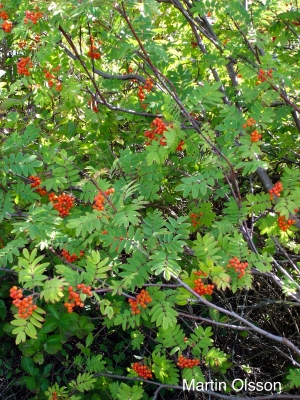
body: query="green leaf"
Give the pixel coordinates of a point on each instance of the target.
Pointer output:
(89, 340)
(69, 322)
(30, 382)
(50, 325)
(53, 311)
(28, 365)
(53, 344)
(126, 392)
(38, 358)
(19, 321)
(30, 330)
(294, 377)
(2, 310)
(21, 337)
(166, 264)
(18, 330)
(8, 103)
(84, 382)
(163, 315)
(53, 289)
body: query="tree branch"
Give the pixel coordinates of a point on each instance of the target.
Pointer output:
(232, 314)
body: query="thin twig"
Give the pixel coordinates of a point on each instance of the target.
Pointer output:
(232, 314)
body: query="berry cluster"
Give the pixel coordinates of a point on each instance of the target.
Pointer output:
(159, 130)
(36, 181)
(22, 44)
(74, 297)
(50, 77)
(194, 44)
(62, 203)
(93, 51)
(180, 146)
(148, 85)
(141, 94)
(250, 122)
(130, 71)
(142, 299)
(194, 115)
(69, 257)
(238, 266)
(85, 289)
(195, 218)
(255, 136)
(93, 105)
(263, 75)
(32, 16)
(54, 396)
(41, 191)
(4, 15)
(284, 224)
(100, 199)
(24, 304)
(187, 363)
(276, 189)
(200, 287)
(7, 26)
(142, 371)
(200, 273)
(23, 66)
(36, 40)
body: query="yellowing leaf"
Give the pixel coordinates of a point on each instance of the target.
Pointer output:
(30, 330)
(18, 322)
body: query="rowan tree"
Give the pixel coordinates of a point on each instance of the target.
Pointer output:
(149, 198)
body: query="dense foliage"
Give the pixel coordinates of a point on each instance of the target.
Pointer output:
(150, 187)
